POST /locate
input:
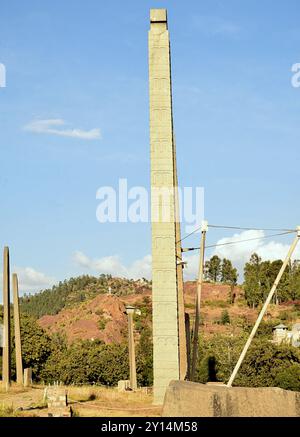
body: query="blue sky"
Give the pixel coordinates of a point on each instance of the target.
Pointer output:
(236, 119)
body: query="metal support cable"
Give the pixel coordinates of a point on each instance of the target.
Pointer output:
(239, 241)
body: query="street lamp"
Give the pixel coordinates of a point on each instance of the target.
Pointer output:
(132, 366)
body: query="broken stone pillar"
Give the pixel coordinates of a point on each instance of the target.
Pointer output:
(132, 365)
(6, 366)
(190, 399)
(57, 402)
(28, 377)
(123, 385)
(164, 267)
(19, 365)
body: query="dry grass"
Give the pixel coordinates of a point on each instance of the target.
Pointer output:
(109, 394)
(86, 401)
(109, 402)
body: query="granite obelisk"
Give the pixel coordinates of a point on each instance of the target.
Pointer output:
(6, 364)
(18, 347)
(165, 298)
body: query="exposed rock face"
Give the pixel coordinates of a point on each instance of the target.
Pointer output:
(189, 399)
(101, 318)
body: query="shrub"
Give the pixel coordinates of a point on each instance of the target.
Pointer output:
(289, 378)
(225, 318)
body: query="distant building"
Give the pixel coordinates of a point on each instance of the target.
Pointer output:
(281, 334)
(295, 337)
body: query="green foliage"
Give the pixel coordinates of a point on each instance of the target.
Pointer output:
(259, 277)
(216, 303)
(217, 270)
(144, 359)
(102, 323)
(36, 345)
(75, 290)
(213, 268)
(265, 328)
(229, 274)
(225, 318)
(288, 378)
(264, 362)
(225, 351)
(88, 362)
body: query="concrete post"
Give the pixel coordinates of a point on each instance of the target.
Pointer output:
(6, 366)
(198, 300)
(19, 365)
(132, 365)
(164, 268)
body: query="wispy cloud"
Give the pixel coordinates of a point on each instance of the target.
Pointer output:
(140, 268)
(55, 126)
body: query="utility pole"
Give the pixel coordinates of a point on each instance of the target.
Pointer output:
(204, 227)
(19, 365)
(264, 308)
(132, 366)
(6, 365)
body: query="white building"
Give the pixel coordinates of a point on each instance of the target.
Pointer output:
(281, 334)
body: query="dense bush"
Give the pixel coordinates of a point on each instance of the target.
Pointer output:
(288, 378)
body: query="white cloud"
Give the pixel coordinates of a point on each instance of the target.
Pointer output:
(240, 253)
(50, 126)
(30, 280)
(112, 265)
(266, 249)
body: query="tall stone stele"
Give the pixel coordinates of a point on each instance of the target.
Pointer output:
(6, 363)
(169, 341)
(18, 348)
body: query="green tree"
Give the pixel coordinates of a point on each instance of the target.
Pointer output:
(252, 288)
(144, 358)
(264, 362)
(213, 268)
(229, 273)
(36, 345)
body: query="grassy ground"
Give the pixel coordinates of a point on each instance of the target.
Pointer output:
(85, 401)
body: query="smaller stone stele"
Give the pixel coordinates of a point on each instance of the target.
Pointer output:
(124, 385)
(28, 377)
(57, 402)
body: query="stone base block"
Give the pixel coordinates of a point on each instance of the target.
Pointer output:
(189, 399)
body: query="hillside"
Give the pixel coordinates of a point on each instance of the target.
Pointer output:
(76, 290)
(102, 317)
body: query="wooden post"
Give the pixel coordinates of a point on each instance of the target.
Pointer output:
(264, 308)
(198, 300)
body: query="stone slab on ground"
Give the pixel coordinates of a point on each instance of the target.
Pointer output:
(190, 399)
